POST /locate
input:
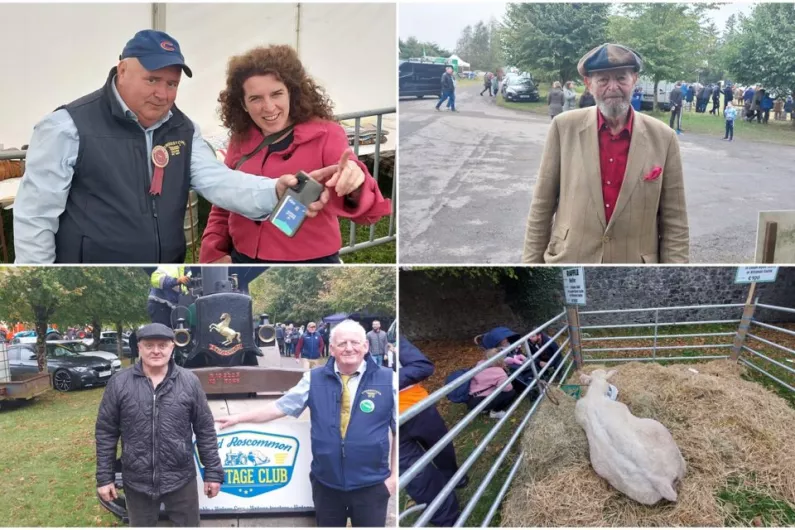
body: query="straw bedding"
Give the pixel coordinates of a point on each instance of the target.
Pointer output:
(725, 427)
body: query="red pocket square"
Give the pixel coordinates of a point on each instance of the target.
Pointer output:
(654, 173)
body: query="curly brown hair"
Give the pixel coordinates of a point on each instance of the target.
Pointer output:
(308, 100)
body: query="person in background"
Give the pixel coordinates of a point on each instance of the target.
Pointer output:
(486, 383)
(730, 113)
(495, 85)
(766, 105)
(587, 100)
(310, 346)
(448, 89)
(555, 100)
(422, 432)
(569, 96)
(637, 99)
(675, 100)
(280, 337)
(376, 339)
(486, 83)
(167, 283)
(789, 107)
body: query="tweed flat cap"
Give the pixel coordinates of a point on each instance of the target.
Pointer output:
(609, 57)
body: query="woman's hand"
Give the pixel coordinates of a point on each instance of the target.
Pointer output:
(348, 178)
(288, 181)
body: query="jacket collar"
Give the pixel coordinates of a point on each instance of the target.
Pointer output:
(302, 133)
(368, 365)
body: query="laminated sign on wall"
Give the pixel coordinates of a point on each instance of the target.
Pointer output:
(264, 470)
(574, 285)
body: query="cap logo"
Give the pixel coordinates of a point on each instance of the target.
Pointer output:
(168, 46)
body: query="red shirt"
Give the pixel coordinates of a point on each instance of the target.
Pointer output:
(613, 154)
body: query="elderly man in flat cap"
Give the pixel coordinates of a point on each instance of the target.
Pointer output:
(155, 408)
(610, 188)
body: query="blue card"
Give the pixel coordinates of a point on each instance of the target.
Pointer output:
(289, 216)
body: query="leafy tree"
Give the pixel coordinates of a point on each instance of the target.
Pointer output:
(371, 289)
(550, 39)
(411, 48)
(493, 274)
(760, 51)
(669, 37)
(36, 294)
(112, 295)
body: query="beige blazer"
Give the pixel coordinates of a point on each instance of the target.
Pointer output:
(567, 214)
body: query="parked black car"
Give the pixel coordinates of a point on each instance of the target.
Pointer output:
(69, 370)
(519, 88)
(420, 79)
(110, 344)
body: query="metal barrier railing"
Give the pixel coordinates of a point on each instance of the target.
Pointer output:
(571, 341)
(436, 396)
(391, 234)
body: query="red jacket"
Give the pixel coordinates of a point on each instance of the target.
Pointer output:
(316, 144)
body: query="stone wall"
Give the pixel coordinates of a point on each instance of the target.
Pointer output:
(462, 308)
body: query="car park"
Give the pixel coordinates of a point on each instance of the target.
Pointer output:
(69, 370)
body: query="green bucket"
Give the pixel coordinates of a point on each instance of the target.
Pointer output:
(572, 390)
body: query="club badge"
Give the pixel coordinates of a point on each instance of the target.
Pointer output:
(160, 160)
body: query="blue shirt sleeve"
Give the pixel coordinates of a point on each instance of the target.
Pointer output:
(248, 195)
(44, 188)
(294, 401)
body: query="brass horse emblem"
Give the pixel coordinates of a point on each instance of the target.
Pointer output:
(223, 328)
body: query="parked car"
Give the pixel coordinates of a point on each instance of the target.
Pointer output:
(519, 88)
(420, 79)
(81, 348)
(110, 344)
(69, 370)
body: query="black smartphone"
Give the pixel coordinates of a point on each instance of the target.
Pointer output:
(290, 213)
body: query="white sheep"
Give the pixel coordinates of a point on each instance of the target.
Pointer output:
(637, 456)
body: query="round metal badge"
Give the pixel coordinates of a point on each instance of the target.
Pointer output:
(367, 406)
(160, 156)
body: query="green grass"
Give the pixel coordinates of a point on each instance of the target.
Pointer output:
(385, 253)
(48, 462)
(777, 132)
(748, 506)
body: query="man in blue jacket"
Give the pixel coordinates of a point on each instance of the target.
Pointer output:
(421, 433)
(353, 405)
(310, 345)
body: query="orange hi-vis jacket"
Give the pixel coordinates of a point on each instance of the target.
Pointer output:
(410, 396)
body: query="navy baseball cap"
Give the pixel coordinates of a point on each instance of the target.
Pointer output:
(155, 50)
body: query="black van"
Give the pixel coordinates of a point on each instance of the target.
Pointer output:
(420, 79)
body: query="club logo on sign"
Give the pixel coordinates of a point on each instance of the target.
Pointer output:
(254, 462)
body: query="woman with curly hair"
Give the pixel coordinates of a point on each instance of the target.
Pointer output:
(281, 122)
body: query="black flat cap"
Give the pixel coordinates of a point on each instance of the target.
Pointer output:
(155, 331)
(609, 57)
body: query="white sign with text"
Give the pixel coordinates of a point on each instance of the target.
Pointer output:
(574, 285)
(756, 273)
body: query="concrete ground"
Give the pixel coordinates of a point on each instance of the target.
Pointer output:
(466, 181)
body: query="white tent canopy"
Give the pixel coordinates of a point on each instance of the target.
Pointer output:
(462, 63)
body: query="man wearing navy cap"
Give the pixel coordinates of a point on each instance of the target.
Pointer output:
(610, 188)
(107, 176)
(155, 408)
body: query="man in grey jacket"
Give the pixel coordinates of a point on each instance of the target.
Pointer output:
(675, 100)
(378, 343)
(155, 408)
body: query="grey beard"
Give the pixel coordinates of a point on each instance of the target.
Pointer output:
(613, 111)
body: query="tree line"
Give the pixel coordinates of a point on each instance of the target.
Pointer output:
(677, 41)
